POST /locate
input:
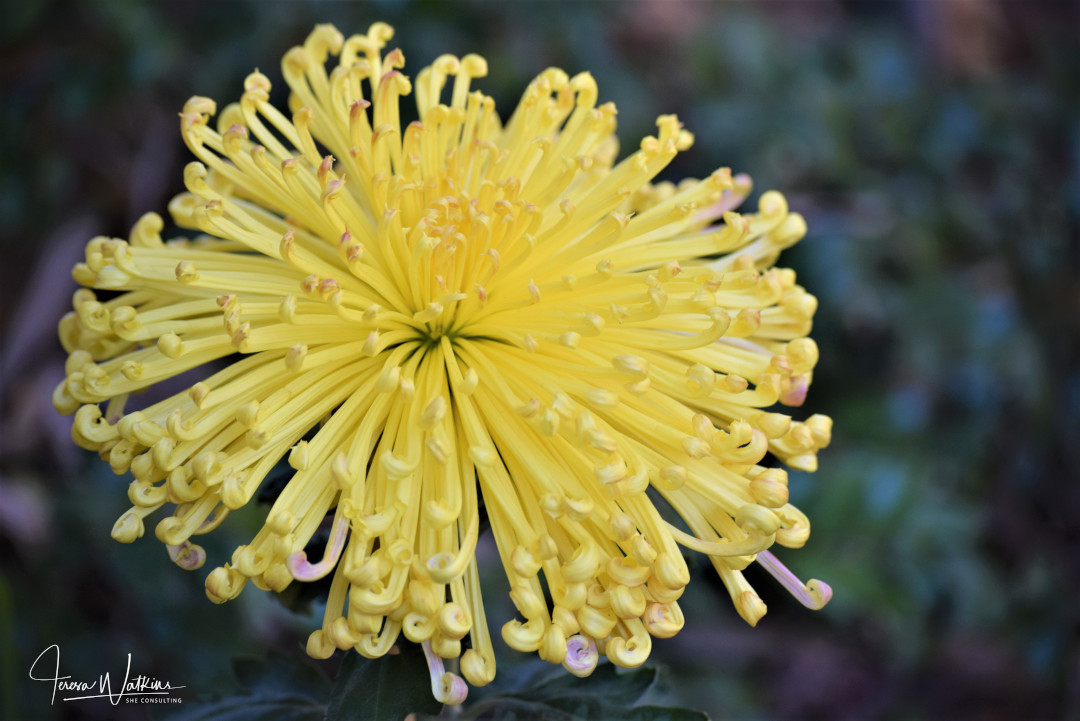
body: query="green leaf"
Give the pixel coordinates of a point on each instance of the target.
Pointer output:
(663, 713)
(279, 688)
(620, 689)
(254, 708)
(278, 672)
(551, 694)
(580, 708)
(382, 689)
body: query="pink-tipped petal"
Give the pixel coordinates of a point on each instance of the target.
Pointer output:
(303, 570)
(581, 655)
(447, 687)
(187, 555)
(814, 594)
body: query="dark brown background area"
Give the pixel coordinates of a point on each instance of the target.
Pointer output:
(932, 145)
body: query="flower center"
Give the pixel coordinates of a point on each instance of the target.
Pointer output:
(456, 256)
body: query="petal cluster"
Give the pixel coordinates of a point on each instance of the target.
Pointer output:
(444, 319)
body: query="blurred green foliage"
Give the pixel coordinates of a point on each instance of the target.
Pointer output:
(933, 148)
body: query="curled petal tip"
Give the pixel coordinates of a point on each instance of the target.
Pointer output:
(187, 555)
(447, 687)
(299, 566)
(820, 593)
(814, 594)
(581, 656)
(303, 570)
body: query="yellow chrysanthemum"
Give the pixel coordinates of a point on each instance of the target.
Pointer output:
(442, 315)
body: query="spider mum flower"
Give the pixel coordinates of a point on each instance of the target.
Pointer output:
(454, 314)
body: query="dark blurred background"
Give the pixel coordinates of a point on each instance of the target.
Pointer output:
(933, 147)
